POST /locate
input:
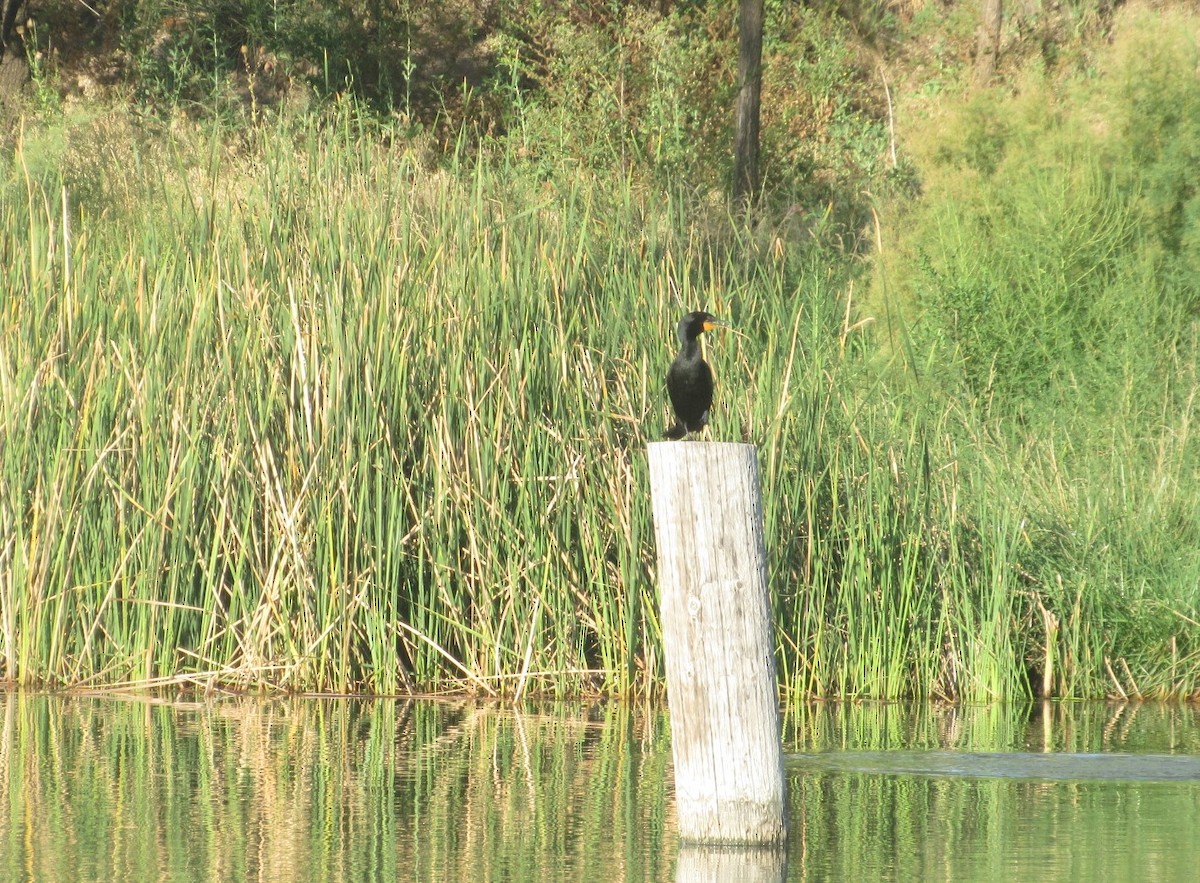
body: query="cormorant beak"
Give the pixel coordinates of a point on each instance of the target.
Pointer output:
(710, 324)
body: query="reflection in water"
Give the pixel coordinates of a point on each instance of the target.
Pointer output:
(337, 790)
(1071, 727)
(731, 864)
(235, 788)
(886, 820)
(1006, 764)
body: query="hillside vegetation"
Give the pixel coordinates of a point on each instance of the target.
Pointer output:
(330, 344)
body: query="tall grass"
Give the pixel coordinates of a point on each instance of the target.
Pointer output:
(291, 408)
(1049, 278)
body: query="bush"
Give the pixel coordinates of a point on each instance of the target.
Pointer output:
(1056, 248)
(1049, 287)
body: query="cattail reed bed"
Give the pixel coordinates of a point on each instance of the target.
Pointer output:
(297, 408)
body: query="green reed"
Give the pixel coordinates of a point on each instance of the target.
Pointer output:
(294, 409)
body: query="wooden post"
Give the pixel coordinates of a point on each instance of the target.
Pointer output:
(718, 643)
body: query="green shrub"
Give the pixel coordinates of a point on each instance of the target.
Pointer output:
(1046, 281)
(1055, 248)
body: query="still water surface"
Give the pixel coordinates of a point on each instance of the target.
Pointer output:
(234, 788)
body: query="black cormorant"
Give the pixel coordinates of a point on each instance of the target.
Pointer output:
(689, 379)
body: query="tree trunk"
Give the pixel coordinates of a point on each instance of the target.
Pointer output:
(8, 21)
(745, 153)
(988, 46)
(14, 70)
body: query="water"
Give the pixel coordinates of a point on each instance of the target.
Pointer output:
(1052, 792)
(235, 788)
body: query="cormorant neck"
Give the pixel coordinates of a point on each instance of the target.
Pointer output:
(689, 348)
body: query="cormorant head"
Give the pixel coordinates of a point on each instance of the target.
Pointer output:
(694, 324)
